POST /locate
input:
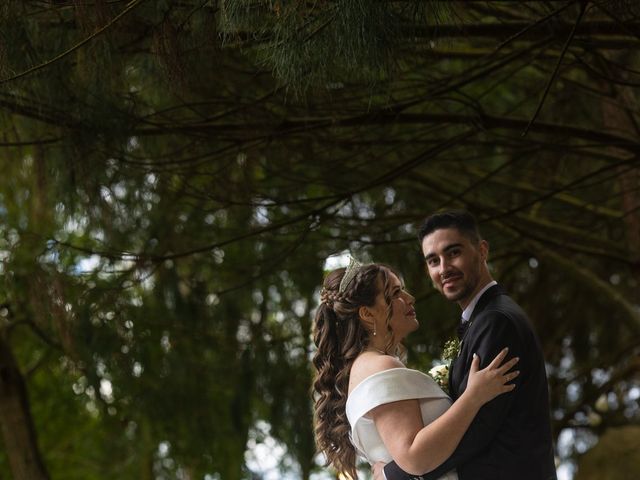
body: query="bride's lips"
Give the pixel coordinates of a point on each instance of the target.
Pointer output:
(411, 313)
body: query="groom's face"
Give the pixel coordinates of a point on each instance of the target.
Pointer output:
(455, 264)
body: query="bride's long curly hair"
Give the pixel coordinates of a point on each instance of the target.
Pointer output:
(340, 337)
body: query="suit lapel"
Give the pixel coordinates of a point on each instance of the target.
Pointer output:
(458, 369)
(485, 299)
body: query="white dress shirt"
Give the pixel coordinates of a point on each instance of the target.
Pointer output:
(467, 312)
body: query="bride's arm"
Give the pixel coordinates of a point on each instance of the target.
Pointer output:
(419, 448)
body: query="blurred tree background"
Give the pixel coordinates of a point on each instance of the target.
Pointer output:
(175, 175)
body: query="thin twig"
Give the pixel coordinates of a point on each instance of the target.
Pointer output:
(35, 68)
(618, 20)
(557, 68)
(532, 25)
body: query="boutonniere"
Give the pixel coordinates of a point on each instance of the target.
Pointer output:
(451, 349)
(440, 373)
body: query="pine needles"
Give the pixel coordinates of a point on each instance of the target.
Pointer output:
(326, 43)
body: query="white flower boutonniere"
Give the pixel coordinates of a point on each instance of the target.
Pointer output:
(440, 373)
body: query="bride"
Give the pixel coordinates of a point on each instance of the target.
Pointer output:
(366, 401)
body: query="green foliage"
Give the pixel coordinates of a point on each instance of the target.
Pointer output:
(166, 208)
(323, 43)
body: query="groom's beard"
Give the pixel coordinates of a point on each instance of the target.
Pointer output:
(465, 289)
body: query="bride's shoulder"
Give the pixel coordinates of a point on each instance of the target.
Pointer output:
(370, 363)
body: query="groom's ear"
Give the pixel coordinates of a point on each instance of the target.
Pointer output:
(484, 250)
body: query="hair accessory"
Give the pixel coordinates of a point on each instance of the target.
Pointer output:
(326, 297)
(349, 274)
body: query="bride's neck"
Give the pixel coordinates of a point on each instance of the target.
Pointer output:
(383, 350)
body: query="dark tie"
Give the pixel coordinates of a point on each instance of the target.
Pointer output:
(462, 328)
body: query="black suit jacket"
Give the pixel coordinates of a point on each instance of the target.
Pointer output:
(510, 437)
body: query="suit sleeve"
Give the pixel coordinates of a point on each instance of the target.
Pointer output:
(493, 331)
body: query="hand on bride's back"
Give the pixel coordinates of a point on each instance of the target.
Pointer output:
(486, 384)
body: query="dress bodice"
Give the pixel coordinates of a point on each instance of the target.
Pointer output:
(391, 386)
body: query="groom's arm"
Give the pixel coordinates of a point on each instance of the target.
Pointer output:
(493, 332)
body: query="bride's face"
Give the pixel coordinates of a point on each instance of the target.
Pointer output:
(403, 316)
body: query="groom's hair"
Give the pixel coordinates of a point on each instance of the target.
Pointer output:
(461, 220)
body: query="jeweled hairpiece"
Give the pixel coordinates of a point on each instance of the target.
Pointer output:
(349, 274)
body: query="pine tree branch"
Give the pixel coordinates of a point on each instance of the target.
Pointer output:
(512, 30)
(127, 9)
(553, 192)
(527, 28)
(26, 143)
(588, 278)
(312, 215)
(556, 69)
(627, 27)
(37, 331)
(246, 131)
(515, 30)
(558, 235)
(37, 113)
(568, 200)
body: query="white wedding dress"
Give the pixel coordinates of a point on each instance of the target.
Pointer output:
(385, 387)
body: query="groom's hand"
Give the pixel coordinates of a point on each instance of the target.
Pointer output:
(378, 471)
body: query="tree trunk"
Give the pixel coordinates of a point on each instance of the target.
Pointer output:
(618, 118)
(16, 423)
(615, 457)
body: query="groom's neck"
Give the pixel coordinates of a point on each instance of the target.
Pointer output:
(484, 281)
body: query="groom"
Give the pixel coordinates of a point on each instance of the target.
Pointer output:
(510, 438)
